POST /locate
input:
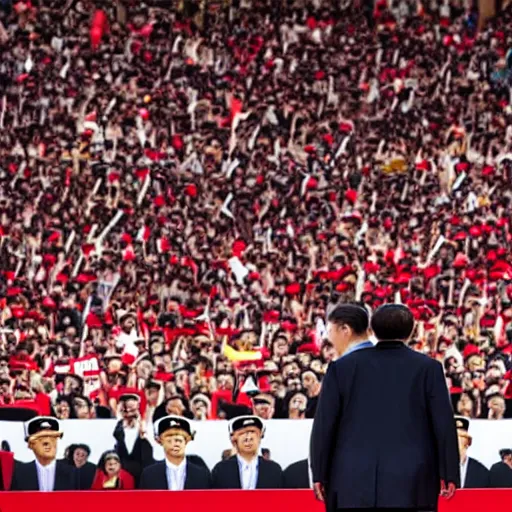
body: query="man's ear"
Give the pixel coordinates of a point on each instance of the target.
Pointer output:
(157, 439)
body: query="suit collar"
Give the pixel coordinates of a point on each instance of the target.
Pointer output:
(358, 346)
(61, 476)
(384, 345)
(264, 479)
(234, 472)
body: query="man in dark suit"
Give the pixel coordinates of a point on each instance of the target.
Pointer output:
(45, 473)
(383, 434)
(500, 475)
(134, 450)
(473, 474)
(176, 472)
(296, 475)
(246, 470)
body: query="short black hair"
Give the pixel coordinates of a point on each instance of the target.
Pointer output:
(392, 322)
(505, 452)
(353, 315)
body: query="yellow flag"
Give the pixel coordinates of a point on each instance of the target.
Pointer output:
(242, 355)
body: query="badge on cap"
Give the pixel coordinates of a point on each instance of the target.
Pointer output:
(248, 422)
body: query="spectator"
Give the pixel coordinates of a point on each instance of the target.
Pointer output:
(77, 456)
(82, 407)
(264, 406)
(311, 382)
(63, 409)
(200, 406)
(111, 475)
(265, 453)
(473, 474)
(297, 405)
(227, 454)
(176, 473)
(500, 475)
(133, 449)
(296, 475)
(45, 473)
(246, 470)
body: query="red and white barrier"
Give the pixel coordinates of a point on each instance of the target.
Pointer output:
(221, 501)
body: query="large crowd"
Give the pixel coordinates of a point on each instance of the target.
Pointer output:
(185, 189)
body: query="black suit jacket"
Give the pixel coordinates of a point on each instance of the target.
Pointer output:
(25, 477)
(139, 458)
(500, 476)
(85, 476)
(296, 475)
(155, 478)
(226, 475)
(383, 434)
(477, 475)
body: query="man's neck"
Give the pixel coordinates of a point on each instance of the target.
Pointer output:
(248, 457)
(44, 462)
(463, 458)
(175, 460)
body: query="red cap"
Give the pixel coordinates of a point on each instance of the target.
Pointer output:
(309, 348)
(293, 289)
(271, 317)
(343, 287)
(49, 303)
(126, 238)
(351, 195)
(460, 261)
(191, 190)
(470, 350)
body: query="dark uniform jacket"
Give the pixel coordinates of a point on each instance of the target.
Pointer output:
(383, 434)
(477, 475)
(296, 475)
(85, 476)
(500, 476)
(140, 457)
(25, 477)
(155, 477)
(226, 474)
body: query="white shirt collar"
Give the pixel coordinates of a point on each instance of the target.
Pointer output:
(244, 463)
(48, 467)
(463, 472)
(175, 467)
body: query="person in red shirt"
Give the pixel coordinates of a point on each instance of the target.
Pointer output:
(111, 475)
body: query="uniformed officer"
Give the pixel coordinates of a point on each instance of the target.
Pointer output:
(45, 473)
(473, 474)
(246, 469)
(175, 473)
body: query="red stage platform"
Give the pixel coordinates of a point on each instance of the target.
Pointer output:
(496, 500)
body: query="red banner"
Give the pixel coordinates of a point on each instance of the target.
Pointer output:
(497, 500)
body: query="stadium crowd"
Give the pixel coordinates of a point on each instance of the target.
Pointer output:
(184, 191)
